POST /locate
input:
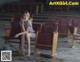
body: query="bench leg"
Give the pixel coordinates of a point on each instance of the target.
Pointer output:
(54, 45)
(74, 41)
(68, 35)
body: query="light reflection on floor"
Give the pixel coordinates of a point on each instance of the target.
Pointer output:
(64, 51)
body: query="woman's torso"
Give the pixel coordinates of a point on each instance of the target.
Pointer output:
(28, 26)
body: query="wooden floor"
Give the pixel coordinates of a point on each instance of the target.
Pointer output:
(64, 51)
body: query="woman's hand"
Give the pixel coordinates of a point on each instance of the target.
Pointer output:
(16, 35)
(22, 33)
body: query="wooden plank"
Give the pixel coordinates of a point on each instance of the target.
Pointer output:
(75, 32)
(54, 45)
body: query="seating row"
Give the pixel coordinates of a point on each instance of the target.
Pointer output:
(47, 33)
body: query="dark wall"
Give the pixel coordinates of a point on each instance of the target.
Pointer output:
(42, 1)
(27, 1)
(7, 1)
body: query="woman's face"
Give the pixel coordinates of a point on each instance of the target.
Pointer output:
(26, 16)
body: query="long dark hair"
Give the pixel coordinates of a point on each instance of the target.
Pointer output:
(31, 16)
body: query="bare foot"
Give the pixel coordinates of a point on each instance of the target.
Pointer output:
(25, 54)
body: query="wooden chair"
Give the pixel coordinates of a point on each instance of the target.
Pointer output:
(15, 29)
(63, 25)
(76, 31)
(11, 32)
(49, 27)
(37, 26)
(47, 38)
(67, 26)
(73, 22)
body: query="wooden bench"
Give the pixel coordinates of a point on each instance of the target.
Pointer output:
(47, 38)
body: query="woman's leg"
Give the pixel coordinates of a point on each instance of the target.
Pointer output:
(28, 36)
(23, 44)
(28, 43)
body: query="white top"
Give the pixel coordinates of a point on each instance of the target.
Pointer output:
(28, 24)
(30, 27)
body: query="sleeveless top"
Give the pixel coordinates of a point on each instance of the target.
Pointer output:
(28, 24)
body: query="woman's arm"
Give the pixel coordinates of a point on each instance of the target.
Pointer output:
(22, 26)
(17, 35)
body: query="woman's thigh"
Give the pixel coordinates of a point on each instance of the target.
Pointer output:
(32, 35)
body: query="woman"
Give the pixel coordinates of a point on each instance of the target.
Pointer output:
(27, 31)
